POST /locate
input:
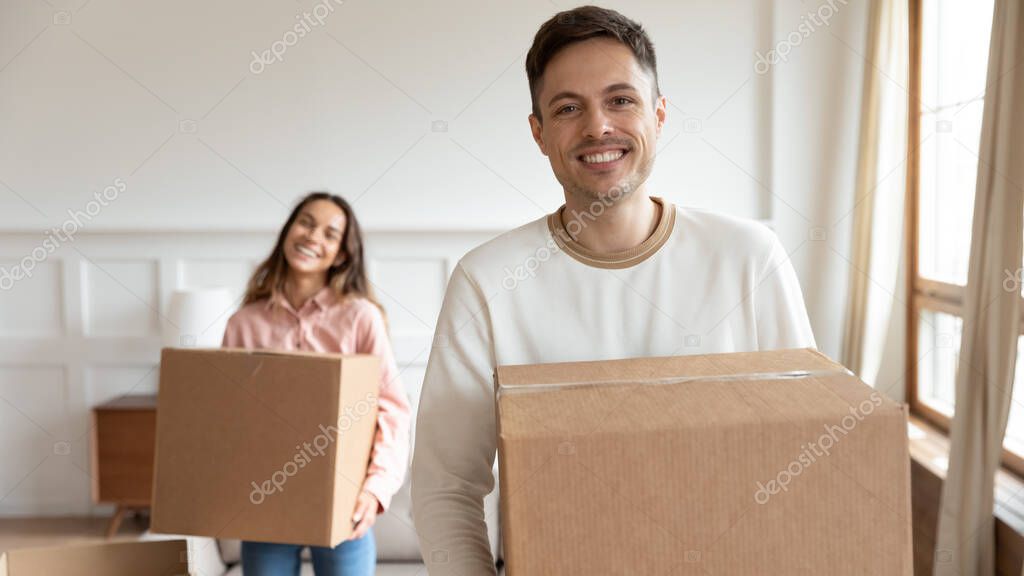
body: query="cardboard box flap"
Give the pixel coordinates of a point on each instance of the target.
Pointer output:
(655, 368)
(126, 558)
(640, 395)
(260, 352)
(639, 408)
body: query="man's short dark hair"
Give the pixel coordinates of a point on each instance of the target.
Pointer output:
(584, 23)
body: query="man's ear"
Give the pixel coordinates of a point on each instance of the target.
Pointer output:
(536, 129)
(660, 109)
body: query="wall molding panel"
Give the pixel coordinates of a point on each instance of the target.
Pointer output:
(85, 327)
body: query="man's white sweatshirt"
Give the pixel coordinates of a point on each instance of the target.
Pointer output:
(701, 283)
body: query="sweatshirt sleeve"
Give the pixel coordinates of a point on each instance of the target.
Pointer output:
(455, 437)
(779, 304)
(389, 459)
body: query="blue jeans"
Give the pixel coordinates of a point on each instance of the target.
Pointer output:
(350, 558)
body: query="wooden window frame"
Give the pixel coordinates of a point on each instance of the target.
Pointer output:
(926, 294)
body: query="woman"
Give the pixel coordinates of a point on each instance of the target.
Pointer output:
(313, 294)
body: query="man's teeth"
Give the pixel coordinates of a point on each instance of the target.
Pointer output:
(603, 157)
(307, 251)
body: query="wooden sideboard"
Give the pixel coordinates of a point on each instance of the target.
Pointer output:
(123, 444)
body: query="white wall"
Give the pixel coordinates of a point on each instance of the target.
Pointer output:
(815, 121)
(161, 95)
(415, 111)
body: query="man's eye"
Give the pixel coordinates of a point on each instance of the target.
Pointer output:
(622, 101)
(567, 108)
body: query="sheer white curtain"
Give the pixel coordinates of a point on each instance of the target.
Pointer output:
(991, 312)
(880, 189)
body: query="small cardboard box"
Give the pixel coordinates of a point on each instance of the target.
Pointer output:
(262, 445)
(158, 558)
(755, 463)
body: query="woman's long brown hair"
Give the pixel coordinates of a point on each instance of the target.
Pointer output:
(347, 280)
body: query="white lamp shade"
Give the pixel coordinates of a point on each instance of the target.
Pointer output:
(198, 317)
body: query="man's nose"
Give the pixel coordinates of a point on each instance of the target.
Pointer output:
(596, 123)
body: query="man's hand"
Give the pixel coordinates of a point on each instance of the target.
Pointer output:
(365, 514)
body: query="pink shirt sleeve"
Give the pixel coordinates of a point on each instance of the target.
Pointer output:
(390, 457)
(231, 333)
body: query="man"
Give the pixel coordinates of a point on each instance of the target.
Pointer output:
(614, 273)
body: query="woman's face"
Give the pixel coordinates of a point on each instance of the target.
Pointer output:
(313, 243)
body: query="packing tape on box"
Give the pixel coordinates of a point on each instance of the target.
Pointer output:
(784, 375)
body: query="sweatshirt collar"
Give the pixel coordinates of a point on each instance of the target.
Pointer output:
(623, 259)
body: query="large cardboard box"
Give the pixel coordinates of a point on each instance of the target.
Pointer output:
(159, 558)
(262, 445)
(742, 464)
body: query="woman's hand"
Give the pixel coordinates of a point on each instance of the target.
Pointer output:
(365, 514)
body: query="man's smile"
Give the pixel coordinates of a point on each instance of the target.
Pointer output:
(603, 158)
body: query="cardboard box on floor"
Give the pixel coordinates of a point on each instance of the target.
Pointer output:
(743, 464)
(158, 558)
(262, 445)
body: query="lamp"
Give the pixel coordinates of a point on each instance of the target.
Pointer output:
(197, 317)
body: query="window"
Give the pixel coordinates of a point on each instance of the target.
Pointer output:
(938, 336)
(1014, 440)
(954, 56)
(948, 67)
